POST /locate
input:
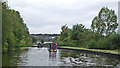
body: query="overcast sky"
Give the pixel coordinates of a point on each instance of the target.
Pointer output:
(47, 16)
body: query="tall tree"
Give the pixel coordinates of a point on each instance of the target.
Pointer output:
(14, 31)
(65, 32)
(76, 31)
(105, 22)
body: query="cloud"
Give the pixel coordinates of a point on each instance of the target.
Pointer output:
(47, 16)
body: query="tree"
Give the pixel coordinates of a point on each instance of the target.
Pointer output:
(42, 41)
(105, 22)
(34, 40)
(14, 31)
(76, 31)
(65, 32)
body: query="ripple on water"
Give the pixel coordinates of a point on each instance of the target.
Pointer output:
(33, 56)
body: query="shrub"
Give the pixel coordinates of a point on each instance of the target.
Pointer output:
(110, 42)
(91, 44)
(115, 39)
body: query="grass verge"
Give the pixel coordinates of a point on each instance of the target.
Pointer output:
(97, 50)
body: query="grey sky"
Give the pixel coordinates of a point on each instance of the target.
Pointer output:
(47, 16)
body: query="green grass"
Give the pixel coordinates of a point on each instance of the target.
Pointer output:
(97, 50)
(73, 46)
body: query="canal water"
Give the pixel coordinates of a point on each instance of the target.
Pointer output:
(33, 56)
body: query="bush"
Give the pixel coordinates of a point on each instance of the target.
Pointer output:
(5, 47)
(110, 42)
(103, 44)
(91, 44)
(66, 44)
(115, 40)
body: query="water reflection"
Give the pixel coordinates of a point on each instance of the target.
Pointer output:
(39, 47)
(13, 58)
(52, 55)
(80, 58)
(42, 57)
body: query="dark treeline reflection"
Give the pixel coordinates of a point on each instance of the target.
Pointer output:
(14, 57)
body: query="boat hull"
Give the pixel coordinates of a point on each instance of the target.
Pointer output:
(53, 50)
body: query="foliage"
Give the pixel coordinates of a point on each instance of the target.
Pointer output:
(105, 22)
(101, 36)
(45, 37)
(76, 32)
(14, 30)
(34, 40)
(64, 32)
(42, 41)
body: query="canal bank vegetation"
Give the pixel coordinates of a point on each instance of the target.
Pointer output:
(96, 50)
(101, 35)
(14, 31)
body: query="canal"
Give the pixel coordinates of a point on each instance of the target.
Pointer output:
(33, 56)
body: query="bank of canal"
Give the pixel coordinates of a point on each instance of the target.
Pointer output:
(110, 52)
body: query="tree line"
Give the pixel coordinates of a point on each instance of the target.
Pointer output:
(44, 34)
(14, 30)
(101, 35)
(44, 37)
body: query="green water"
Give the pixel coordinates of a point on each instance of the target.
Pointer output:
(33, 56)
